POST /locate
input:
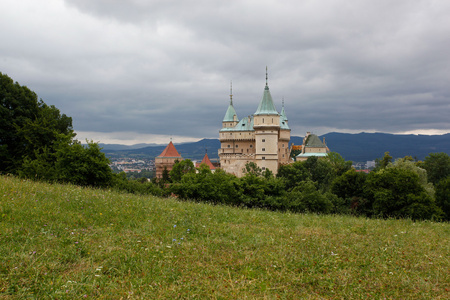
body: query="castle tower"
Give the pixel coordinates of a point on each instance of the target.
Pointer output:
(230, 119)
(267, 127)
(166, 159)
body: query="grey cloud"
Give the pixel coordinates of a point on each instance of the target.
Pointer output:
(164, 67)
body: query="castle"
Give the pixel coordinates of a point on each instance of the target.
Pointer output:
(262, 138)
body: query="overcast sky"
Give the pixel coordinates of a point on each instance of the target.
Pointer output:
(144, 71)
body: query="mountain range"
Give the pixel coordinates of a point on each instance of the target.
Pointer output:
(358, 147)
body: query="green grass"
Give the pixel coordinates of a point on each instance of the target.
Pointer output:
(65, 242)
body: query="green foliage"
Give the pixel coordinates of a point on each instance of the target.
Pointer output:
(437, 166)
(306, 198)
(69, 162)
(350, 184)
(407, 163)
(252, 169)
(396, 192)
(142, 175)
(294, 154)
(337, 162)
(443, 196)
(27, 125)
(165, 177)
(217, 187)
(121, 183)
(383, 162)
(320, 171)
(181, 168)
(293, 174)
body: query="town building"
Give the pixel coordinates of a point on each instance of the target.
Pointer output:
(166, 160)
(262, 138)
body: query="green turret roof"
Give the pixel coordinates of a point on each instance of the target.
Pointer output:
(314, 141)
(229, 115)
(283, 119)
(266, 106)
(246, 124)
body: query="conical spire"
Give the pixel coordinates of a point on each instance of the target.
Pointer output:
(283, 112)
(170, 151)
(231, 112)
(283, 117)
(266, 106)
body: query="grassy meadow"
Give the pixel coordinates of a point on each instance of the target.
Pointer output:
(68, 242)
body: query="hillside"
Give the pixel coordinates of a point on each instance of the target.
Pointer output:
(67, 242)
(359, 147)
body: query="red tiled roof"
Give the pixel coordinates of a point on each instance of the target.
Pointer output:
(170, 151)
(206, 161)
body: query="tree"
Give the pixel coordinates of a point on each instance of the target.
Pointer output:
(181, 168)
(396, 192)
(26, 125)
(340, 166)
(437, 166)
(350, 184)
(407, 163)
(68, 161)
(383, 162)
(443, 196)
(320, 171)
(252, 169)
(293, 174)
(350, 188)
(306, 198)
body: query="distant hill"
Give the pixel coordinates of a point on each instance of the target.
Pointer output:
(355, 147)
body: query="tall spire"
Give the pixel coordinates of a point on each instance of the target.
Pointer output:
(283, 119)
(230, 115)
(266, 106)
(231, 92)
(267, 77)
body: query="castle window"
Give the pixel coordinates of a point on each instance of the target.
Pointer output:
(251, 146)
(242, 151)
(283, 155)
(263, 158)
(263, 168)
(283, 145)
(237, 146)
(263, 149)
(231, 133)
(229, 146)
(263, 120)
(263, 140)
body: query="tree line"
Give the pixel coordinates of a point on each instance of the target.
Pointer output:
(38, 142)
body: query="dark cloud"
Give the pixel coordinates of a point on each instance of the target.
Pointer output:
(164, 67)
